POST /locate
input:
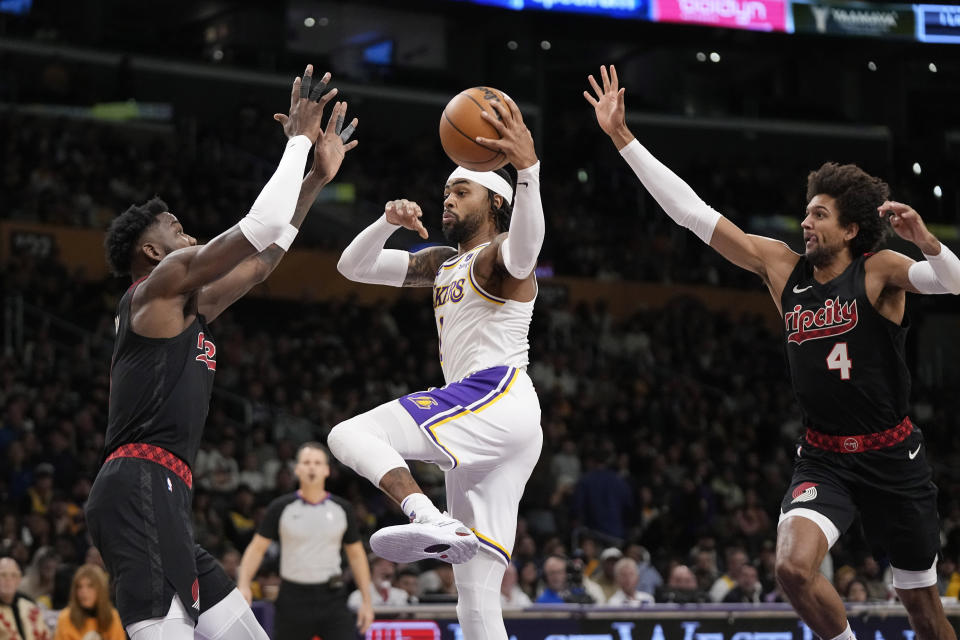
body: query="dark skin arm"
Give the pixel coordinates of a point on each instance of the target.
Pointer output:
(167, 301)
(328, 156)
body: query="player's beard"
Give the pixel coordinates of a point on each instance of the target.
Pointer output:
(462, 229)
(821, 256)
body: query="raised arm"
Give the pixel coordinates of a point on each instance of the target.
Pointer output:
(365, 259)
(517, 253)
(328, 156)
(189, 269)
(678, 200)
(939, 273)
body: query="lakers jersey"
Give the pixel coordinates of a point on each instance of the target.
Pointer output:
(476, 330)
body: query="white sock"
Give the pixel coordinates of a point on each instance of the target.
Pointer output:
(418, 507)
(846, 635)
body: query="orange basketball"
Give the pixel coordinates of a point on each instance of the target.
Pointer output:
(461, 123)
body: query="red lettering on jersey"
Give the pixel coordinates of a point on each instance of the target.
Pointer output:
(208, 352)
(832, 319)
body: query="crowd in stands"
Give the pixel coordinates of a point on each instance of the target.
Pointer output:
(667, 449)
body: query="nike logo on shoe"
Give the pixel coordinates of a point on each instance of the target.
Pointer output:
(913, 454)
(796, 289)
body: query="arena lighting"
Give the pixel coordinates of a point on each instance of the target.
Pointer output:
(937, 192)
(916, 168)
(872, 65)
(701, 56)
(512, 45)
(218, 54)
(932, 67)
(545, 45)
(309, 22)
(714, 56)
(582, 175)
(324, 21)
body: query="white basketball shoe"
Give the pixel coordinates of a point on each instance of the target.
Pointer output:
(443, 538)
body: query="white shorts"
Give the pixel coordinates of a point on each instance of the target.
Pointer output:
(484, 432)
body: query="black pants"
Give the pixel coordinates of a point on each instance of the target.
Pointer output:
(308, 611)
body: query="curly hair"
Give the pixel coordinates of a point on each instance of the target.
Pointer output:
(126, 230)
(501, 215)
(858, 195)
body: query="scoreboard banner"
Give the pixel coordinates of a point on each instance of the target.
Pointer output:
(755, 15)
(938, 23)
(855, 19)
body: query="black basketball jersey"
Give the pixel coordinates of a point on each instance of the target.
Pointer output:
(846, 360)
(160, 387)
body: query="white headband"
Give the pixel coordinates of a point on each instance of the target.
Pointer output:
(488, 179)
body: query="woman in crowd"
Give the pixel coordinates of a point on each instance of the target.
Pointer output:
(90, 610)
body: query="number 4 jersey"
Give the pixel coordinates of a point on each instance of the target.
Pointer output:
(846, 360)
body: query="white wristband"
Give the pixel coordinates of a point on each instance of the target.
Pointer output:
(936, 274)
(287, 237)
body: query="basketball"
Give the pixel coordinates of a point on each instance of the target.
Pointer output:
(461, 123)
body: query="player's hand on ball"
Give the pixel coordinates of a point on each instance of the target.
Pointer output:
(407, 214)
(333, 144)
(515, 142)
(307, 102)
(608, 104)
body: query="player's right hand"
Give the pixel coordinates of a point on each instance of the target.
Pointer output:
(608, 104)
(246, 593)
(306, 106)
(407, 214)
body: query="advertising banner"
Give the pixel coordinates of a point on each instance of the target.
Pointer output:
(756, 15)
(938, 23)
(638, 9)
(855, 19)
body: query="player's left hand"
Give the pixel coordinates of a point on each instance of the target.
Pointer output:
(516, 141)
(332, 145)
(909, 225)
(364, 617)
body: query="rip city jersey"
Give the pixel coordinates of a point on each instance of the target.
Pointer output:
(476, 330)
(160, 387)
(846, 360)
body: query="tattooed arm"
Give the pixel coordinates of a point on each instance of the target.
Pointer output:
(423, 266)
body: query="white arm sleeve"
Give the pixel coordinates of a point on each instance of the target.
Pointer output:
(936, 274)
(522, 245)
(273, 209)
(365, 259)
(676, 197)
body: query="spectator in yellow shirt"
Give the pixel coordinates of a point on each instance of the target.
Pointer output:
(89, 615)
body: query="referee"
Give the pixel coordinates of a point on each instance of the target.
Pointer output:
(311, 525)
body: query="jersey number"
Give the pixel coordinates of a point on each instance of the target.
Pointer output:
(839, 360)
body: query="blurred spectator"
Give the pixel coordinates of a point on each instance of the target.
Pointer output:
(872, 576)
(445, 589)
(529, 578)
(89, 612)
(38, 582)
(649, 579)
(736, 558)
(40, 495)
(382, 572)
(230, 561)
(681, 587)
(948, 578)
(554, 581)
(627, 594)
(20, 617)
(605, 576)
(602, 499)
(748, 588)
(511, 595)
(856, 591)
(408, 580)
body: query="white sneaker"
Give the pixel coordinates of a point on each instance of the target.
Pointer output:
(444, 538)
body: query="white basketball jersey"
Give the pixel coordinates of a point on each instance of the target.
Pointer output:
(477, 330)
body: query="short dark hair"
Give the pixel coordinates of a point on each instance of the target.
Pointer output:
(858, 196)
(501, 214)
(126, 230)
(310, 444)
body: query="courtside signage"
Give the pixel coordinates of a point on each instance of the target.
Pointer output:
(637, 9)
(755, 15)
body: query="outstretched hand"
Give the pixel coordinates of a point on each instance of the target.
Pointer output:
(908, 224)
(407, 214)
(333, 144)
(608, 105)
(516, 141)
(307, 102)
